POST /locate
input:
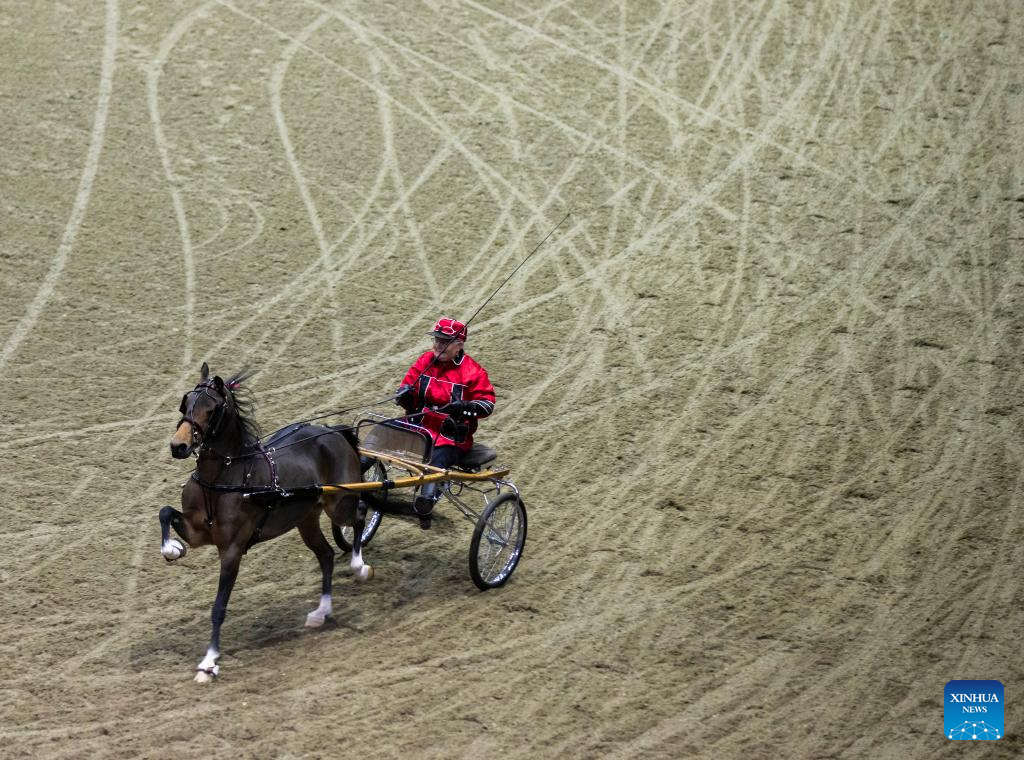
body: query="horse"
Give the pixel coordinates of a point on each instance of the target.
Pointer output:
(245, 490)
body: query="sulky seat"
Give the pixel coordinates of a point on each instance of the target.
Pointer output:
(476, 457)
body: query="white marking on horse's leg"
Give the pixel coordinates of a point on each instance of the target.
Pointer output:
(208, 669)
(173, 549)
(316, 618)
(362, 571)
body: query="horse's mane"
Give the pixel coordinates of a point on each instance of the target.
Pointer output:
(245, 405)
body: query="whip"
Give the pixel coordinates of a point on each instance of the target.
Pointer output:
(395, 395)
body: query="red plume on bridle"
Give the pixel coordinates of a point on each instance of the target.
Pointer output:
(242, 400)
(234, 383)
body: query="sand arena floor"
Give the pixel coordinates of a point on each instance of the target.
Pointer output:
(762, 391)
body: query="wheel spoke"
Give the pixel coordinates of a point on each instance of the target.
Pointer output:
(498, 541)
(501, 528)
(490, 566)
(495, 534)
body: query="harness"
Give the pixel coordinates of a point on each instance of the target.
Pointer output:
(243, 488)
(268, 495)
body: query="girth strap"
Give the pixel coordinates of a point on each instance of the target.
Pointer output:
(258, 531)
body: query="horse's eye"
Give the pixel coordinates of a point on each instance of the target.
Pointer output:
(183, 406)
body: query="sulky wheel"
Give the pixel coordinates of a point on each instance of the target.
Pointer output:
(498, 540)
(343, 534)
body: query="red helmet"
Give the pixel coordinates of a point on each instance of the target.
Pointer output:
(446, 327)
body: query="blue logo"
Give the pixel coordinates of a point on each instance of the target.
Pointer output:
(974, 710)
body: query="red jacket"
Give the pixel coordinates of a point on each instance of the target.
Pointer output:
(461, 380)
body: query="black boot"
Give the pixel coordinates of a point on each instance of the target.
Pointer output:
(423, 506)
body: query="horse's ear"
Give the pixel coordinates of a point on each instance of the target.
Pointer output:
(205, 371)
(219, 385)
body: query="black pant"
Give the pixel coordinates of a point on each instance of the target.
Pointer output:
(443, 457)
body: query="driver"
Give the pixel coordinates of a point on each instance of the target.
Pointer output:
(445, 391)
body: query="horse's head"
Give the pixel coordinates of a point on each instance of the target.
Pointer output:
(203, 410)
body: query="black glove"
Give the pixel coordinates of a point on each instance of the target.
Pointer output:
(467, 409)
(453, 409)
(406, 397)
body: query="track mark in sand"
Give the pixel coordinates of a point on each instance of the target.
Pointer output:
(259, 222)
(746, 154)
(875, 259)
(731, 48)
(333, 270)
(144, 542)
(564, 127)
(866, 466)
(153, 73)
(301, 285)
(81, 205)
(446, 134)
(579, 588)
(89, 430)
(276, 87)
(390, 162)
(761, 138)
(794, 536)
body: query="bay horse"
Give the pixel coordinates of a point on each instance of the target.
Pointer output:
(245, 490)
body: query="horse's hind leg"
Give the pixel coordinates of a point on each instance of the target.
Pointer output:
(311, 534)
(362, 571)
(230, 559)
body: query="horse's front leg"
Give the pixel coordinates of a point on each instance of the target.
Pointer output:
(172, 548)
(230, 559)
(361, 570)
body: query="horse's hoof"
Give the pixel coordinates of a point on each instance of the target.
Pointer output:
(173, 549)
(203, 677)
(365, 573)
(313, 620)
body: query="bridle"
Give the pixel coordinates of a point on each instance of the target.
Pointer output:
(187, 410)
